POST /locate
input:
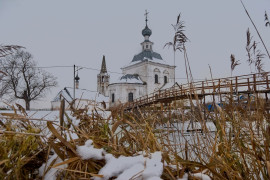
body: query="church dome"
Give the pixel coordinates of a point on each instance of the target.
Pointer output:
(146, 31)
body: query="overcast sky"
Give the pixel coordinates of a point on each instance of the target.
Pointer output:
(68, 32)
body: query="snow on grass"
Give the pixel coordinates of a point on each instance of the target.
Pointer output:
(117, 166)
(196, 175)
(154, 166)
(131, 172)
(52, 173)
(149, 167)
(143, 166)
(202, 176)
(89, 152)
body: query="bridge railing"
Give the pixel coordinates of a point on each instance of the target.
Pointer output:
(250, 82)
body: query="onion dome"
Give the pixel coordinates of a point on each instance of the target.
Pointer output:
(146, 31)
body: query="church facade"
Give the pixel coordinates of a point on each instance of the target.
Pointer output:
(145, 74)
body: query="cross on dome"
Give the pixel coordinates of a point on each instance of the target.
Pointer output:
(146, 14)
(146, 31)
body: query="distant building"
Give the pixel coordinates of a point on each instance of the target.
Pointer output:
(83, 98)
(103, 79)
(145, 74)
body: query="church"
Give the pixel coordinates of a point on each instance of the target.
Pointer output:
(146, 73)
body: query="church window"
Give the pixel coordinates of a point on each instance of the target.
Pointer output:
(130, 97)
(112, 97)
(146, 46)
(156, 78)
(165, 79)
(102, 79)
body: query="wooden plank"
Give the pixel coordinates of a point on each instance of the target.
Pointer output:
(248, 84)
(254, 81)
(267, 82)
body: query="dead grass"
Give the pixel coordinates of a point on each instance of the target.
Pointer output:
(238, 149)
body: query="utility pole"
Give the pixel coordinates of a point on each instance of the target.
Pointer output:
(74, 83)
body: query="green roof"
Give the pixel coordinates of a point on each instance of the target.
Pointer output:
(146, 54)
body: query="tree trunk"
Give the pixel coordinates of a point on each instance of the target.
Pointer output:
(27, 104)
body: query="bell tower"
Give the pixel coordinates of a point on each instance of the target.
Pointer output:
(103, 79)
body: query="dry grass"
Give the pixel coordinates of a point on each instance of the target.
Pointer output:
(22, 149)
(239, 149)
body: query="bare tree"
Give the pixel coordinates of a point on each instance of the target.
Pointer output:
(5, 51)
(24, 80)
(9, 49)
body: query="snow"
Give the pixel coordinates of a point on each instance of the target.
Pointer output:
(158, 61)
(129, 78)
(83, 94)
(149, 167)
(154, 60)
(196, 175)
(185, 177)
(52, 173)
(131, 172)
(116, 166)
(154, 167)
(202, 176)
(154, 178)
(89, 152)
(72, 135)
(133, 81)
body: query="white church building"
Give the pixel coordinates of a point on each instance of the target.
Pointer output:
(146, 73)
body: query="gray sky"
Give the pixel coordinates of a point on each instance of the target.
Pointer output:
(68, 32)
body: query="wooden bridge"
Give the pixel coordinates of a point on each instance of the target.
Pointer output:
(238, 85)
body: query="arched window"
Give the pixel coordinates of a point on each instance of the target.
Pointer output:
(130, 97)
(102, 79)
(156, 75)
(166, 75)
(112, 97)
(156, 78)
(165, 80)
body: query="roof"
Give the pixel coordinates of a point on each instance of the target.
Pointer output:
(169, 85)
(130, 79)
(146, 31)
(67, 93)
(147, 54)
(103, 66)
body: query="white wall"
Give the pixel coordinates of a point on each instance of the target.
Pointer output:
(121, 91)
(151, 85)
(146, 72)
